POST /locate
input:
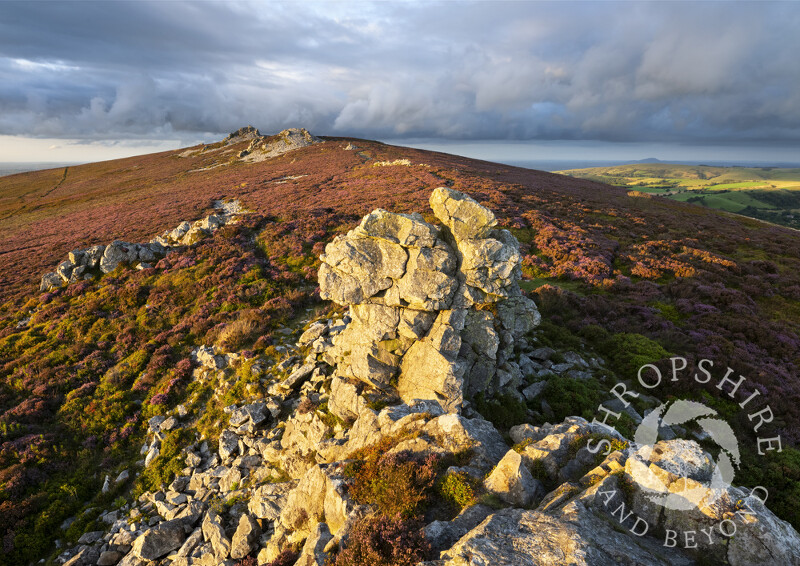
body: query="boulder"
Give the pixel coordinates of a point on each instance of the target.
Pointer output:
(444, 534)
(312, 333)
(214, 533)
(245, 537)
(512, 482)
(159, 540)
(50, 281)
(117, 252)
(673, 487)
(109, 558)
(267, 501)
(575, 537)
(313, 553)
(320, 493)
(408, 230)
(228, 444)
(454, 433)
(192, 541)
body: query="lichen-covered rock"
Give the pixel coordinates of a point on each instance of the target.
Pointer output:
(574, 537)
(672, 486)
(214, 533)
(267, 501)
(320, 493)
(160, 540)
(50, 281)
(245, 537)
(512, 482)
(228, 444)
(465, 218)
(117, 252)
(412, 287)
(313, 553)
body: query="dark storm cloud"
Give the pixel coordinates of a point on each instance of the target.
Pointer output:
(721, 72)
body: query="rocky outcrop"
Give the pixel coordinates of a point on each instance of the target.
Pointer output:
(86, 264)
(435, 310)
(247, 133)
(265, 147)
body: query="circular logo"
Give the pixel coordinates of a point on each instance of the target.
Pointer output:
(698, 478)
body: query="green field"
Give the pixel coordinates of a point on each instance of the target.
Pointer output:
(766, 193)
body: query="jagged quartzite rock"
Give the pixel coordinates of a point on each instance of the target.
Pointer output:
(466, 219)
(242, 134)
(419, 300)
(109, 558)
(345, 402)
(228, 444)
(215, 534)
(50, 281)
(264, 147)
(512, 482)
(312, 333)
(244, 538)
(313, 553)
(80, 264)
(681, 470)
(267, 501)
(117, 252)
(455, 433)
(191, 542)
(444, 534)
(158, 541)
(320, 493)
(86, 555)
(131, 559)
(207, 356)
(575, 537)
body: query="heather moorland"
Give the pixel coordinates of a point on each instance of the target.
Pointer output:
(615, 274)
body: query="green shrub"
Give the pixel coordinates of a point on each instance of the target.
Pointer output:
(503, 411)
(457, 489)
(627, 352)
(555, 336)
(539, 471)
(163, 469)
(668, 311)
(568, 397)
(779, 472)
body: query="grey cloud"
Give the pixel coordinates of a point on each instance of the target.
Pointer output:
(477, 70)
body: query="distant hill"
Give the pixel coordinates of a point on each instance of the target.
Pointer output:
(766, 193)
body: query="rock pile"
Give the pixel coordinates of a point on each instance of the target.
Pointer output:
(85, 264)
(435, 310)
(264, 147)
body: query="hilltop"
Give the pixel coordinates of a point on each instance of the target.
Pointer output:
(766, 193)
(250, 384)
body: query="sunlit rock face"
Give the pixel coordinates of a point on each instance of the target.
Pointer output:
(435, 309)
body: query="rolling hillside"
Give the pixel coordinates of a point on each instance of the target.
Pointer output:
(616, 277)
(765, 193)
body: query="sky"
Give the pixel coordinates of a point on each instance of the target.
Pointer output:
(86, 81)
